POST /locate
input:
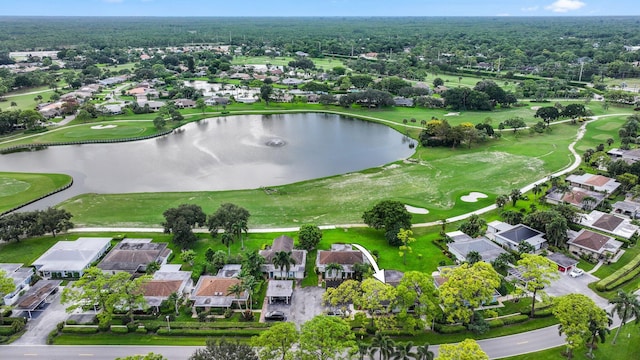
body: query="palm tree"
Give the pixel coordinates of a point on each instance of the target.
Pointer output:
(227, 240)
(333, 268)
(473, 257)
(236, 289)
(424, 353)
(515, 195)
(283, 260)
(598, 331)
(174, 299)
(588, 202)
(383, 344)
(238, 228)
(248, 283)
(626, 305)
(537, 189)
(362, 350)
(403, 352)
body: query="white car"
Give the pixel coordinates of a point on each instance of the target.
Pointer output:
(576, 272)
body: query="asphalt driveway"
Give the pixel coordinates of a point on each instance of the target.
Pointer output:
(568, 285)
(305, 304)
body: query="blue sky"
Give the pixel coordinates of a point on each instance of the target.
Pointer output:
(320, 7)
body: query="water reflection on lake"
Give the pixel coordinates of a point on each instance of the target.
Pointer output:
(237, 152)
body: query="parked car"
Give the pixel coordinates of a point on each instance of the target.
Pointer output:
(576, 272)
(275, 316)
(336, 312)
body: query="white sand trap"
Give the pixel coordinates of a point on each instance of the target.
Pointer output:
(535, 108)
(452, 114)
(416, 210)
(100, 127)
(473, 197)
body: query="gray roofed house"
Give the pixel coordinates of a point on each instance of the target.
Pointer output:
(21, 277)
(230, 271)
(576, 197)
(280, 290)
(628, 156)
(594, 244)
(612, 224)
(284, 243)
(133, 255)
(511, 238)
(70, 258)
(463, 244)
(627, 207)
(564, 262)
(402, 101)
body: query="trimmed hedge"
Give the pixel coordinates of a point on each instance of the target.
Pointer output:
(542, 313)
(515, 319)
(80, 329)
(450, 329)
(495, 323)
(209, 332)
(141, 330)
(620, 276)
(205, 325)
(6, 330)
(119, 329)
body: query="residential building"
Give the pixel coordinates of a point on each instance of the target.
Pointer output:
(577, 197)
(284, 243)
(279, 291)
(35, 299)
(611, 224)
(593, 244)
(184, 103)
(565, 263)
(342, 255)
(627, 207)
(593, 182)
(21, 277)
(213, 292)
(510, 236)
(462, 244)
(628, 156)
(133, 255)
(166, 281)
(70, 258)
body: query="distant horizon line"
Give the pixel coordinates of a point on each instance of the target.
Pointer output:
(316, 16)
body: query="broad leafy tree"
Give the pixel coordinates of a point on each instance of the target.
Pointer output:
(577, 314)
(277, 342)
(416, 291)
(390, 216)
(326, 337)
(183, 235)
(465, 350)
(54, 220)
(191, 213)
(375, 298)
(226, 216)
(537, 273)
(548, 114)
(406, 239)
(340, 297)
(309, 236)
(223, 349)
(466, 288)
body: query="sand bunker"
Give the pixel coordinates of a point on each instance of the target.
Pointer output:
(535, 108)
(100, 127)
(416, 210)
(452, 114)
(473, 197)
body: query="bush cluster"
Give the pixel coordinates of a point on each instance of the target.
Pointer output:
(620, 276)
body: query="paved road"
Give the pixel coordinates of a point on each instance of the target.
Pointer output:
(39, 327)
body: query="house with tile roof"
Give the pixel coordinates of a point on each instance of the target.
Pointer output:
(340, 254)
(596, 245)
(167, 280)
(593, 182)
(609, 223)
(284, 243)
(213, 292)
(133, 255)
(577, 197)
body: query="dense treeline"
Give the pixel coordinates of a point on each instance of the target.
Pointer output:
(19, 225)
(554, 47)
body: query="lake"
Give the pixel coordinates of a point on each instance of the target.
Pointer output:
(227, 153)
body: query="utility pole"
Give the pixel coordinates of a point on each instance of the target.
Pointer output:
(581, 68)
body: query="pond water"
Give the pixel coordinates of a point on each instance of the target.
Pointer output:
(236, 152)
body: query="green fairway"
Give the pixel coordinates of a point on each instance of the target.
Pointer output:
(326, 63)
(435, 180)
(20, 188)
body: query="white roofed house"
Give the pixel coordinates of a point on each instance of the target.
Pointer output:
(21, 277)
(462, 244)
(70, 258)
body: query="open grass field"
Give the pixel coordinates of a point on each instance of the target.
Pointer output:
(598, 132)
(326, 63)
(19, 188)
(436, 181)
(626, 348)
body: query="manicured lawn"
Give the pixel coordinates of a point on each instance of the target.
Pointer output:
(627, 347)
(20, 188)
(326, 63)
(128, 339)
(599, 131)
(27, 251)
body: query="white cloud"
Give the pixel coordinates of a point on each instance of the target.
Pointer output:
(531, 8)
(562, 6)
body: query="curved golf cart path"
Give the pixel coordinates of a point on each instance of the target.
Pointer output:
(531, 341)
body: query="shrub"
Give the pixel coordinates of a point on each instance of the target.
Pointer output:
(132, 326)
(228, 313)
(210, 332)
(119, 329)
(6, 330)
(613, 280)
(141, 330)
(543, 313)
(72, 322)
(152, 327)
(77, 329)
(495, 323)
(451, 329)
(52, 335)
(516, 319)
(60, 326)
